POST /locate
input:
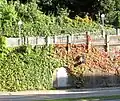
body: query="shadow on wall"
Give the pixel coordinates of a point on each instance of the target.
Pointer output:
(83, 81)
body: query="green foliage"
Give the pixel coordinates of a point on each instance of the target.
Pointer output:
(2, 41)
(107, 5)
(111, 9)
(8, 17)
(36, 22)
(3, 49)
(25, 68)
(52, 6)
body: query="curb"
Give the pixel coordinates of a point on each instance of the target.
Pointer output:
(66, 91)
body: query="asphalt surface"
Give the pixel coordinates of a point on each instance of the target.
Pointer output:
(113, 100)
(53, 94)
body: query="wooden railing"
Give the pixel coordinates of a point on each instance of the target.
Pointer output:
(107, 41)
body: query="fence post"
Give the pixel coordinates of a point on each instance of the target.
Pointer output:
(28, 40)
(68, 43)
(68, 39)
(55, 40)
(89, 41)
(22, 40)
(19, 42)
(37, 40)
(25, 40)
(47, 40)
(117, 31)
(107, 40)
(72, 37)
(103, 33)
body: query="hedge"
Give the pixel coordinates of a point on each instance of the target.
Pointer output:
(25, 68)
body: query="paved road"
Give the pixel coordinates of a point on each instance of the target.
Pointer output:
(71, 93)
(113, 100)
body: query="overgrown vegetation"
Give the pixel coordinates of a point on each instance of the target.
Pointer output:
(26, 68)
(35, 22)
(97, 62)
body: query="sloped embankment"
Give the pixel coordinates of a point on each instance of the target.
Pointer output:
(97, 70)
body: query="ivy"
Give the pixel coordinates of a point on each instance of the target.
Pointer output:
(26, 68)
(3, 49)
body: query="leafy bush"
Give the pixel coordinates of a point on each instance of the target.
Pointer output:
(25, 68)
(36, 23)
